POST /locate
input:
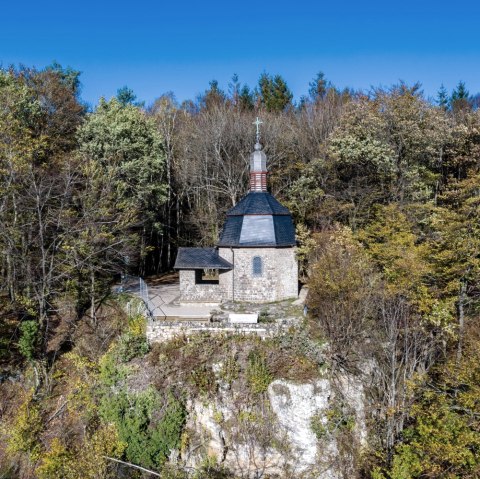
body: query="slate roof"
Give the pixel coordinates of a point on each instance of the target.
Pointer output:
(258, 220)
(199, 258)
(258, 203)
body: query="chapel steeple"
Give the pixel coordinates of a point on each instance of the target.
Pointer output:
(258, 220)
(258, 164)
(255, 256)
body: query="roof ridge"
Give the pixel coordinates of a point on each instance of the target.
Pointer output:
(262, 201)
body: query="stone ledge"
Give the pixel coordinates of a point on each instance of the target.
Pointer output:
(158, 331)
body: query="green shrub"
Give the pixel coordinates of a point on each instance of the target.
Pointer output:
(111, 373)
(230, 370)
(149, 438)
(210, 469)
(88, 460)
(258, 374)
(24, 430)
(318, 425)
(133, 343)
(28, 339)
(131, 346)
(265, 317)
(168, 431)
(334, 419)
(203, 379)
(4, 348)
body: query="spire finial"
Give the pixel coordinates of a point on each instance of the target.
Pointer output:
(258, 164)
(258, 122)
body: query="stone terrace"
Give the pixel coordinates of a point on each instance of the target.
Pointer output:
(170, 318)
(274, 318)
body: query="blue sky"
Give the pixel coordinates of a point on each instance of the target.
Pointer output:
(179, 46)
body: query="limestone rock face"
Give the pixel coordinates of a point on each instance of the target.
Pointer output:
(294, 406)
(273, 437)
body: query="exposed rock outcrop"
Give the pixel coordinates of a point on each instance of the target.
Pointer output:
(274, 436)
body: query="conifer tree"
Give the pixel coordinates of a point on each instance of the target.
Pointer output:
(274, 92)
(442, 98)
(460, 98)
(126, 96)
(212, 97)
(319, 87)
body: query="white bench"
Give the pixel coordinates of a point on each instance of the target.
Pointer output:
(246, 318)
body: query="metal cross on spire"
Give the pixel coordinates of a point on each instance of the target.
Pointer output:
(258, 122)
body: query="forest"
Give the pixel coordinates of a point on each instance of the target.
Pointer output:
(384, 188)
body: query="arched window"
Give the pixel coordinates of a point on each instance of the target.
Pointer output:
(257, 266)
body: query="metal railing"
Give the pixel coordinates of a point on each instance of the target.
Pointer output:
(136, 285)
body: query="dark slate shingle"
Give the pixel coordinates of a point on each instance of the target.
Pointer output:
(199, 258)
(231, 231)
(238, 231)
(258, 203)
(283, 228)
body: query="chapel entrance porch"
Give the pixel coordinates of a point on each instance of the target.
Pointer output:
(162, 294)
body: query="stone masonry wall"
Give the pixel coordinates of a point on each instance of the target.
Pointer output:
(279, 279)
(288, 272)
(206, 293)
(159, 330)
(226, 278)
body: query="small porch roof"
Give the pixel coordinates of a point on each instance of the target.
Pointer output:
(200, 258)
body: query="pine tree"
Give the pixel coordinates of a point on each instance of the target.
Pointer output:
(246, 98)
(214, 96)
(460, 98)
(318, 87)
(240, 95)
(234, 89)
(67, 75)
(126, 96)
(461, 92)
(442, 98)
(274, 92)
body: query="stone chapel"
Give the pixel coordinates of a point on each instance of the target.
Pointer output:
(255, 257)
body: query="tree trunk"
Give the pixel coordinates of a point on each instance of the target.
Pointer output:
(461, 317)
(92, 297)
